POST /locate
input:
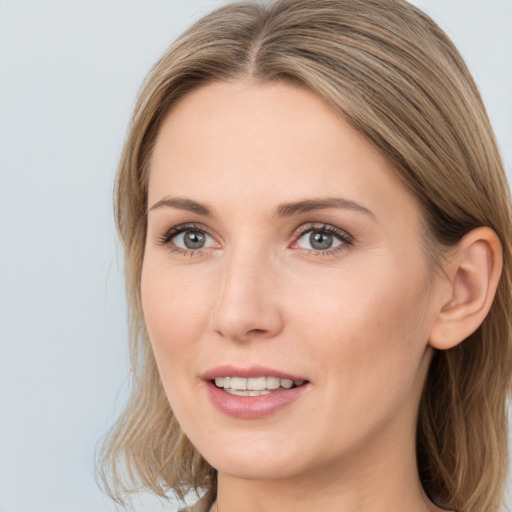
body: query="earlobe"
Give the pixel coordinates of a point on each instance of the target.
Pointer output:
(473, 274)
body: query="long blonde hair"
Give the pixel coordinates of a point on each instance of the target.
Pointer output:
(393, 73)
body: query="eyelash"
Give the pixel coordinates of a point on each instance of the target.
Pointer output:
(346, 239)
(167, 237)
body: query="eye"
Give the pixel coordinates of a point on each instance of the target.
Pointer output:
(322, 239)
(187, 239)
(318, 240)
(191, 240)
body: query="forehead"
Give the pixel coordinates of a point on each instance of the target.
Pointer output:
(267, 143)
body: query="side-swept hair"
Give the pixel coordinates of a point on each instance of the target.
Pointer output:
(390, 71)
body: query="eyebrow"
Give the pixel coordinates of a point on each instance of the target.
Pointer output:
(283, 210)
(308, 205)
(183, 203)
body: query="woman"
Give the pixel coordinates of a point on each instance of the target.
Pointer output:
(316, 226)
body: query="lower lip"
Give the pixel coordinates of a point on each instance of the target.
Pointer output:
(253, 407)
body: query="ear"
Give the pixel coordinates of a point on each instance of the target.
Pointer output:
(473, 274)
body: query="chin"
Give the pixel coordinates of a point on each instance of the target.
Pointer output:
(250, 458)
(270, 469)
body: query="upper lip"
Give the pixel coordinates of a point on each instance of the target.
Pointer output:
(252, 371)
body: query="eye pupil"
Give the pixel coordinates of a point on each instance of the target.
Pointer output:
(194, 240)
(319, 240)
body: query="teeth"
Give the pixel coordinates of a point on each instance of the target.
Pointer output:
(273, 382)
(239, 383)
(286, 383)
(247, 392)
(258, 385)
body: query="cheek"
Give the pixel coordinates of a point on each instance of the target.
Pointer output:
(366, 343)
(367, 331)
(172, 299)
(378, 304)
(171, 311)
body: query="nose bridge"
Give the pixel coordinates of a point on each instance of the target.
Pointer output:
(246, 303)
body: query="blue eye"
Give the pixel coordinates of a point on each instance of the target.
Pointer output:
(187, 239)
(191, 240)
(323, 239)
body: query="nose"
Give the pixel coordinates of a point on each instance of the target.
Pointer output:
(247, 303)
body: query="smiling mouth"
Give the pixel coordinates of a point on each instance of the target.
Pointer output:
(255, 386)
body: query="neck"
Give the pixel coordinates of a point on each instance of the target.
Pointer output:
(304, 496)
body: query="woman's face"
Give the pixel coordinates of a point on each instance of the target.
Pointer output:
(281, 248)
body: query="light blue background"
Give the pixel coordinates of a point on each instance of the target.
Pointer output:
(69, 73)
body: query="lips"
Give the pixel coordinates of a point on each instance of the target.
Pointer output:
(254, 392)
(253, 371)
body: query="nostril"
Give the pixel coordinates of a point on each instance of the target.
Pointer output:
(256, 331)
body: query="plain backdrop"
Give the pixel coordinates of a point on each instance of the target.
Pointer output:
(69, 73)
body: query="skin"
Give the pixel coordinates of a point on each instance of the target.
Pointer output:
(354, 320)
